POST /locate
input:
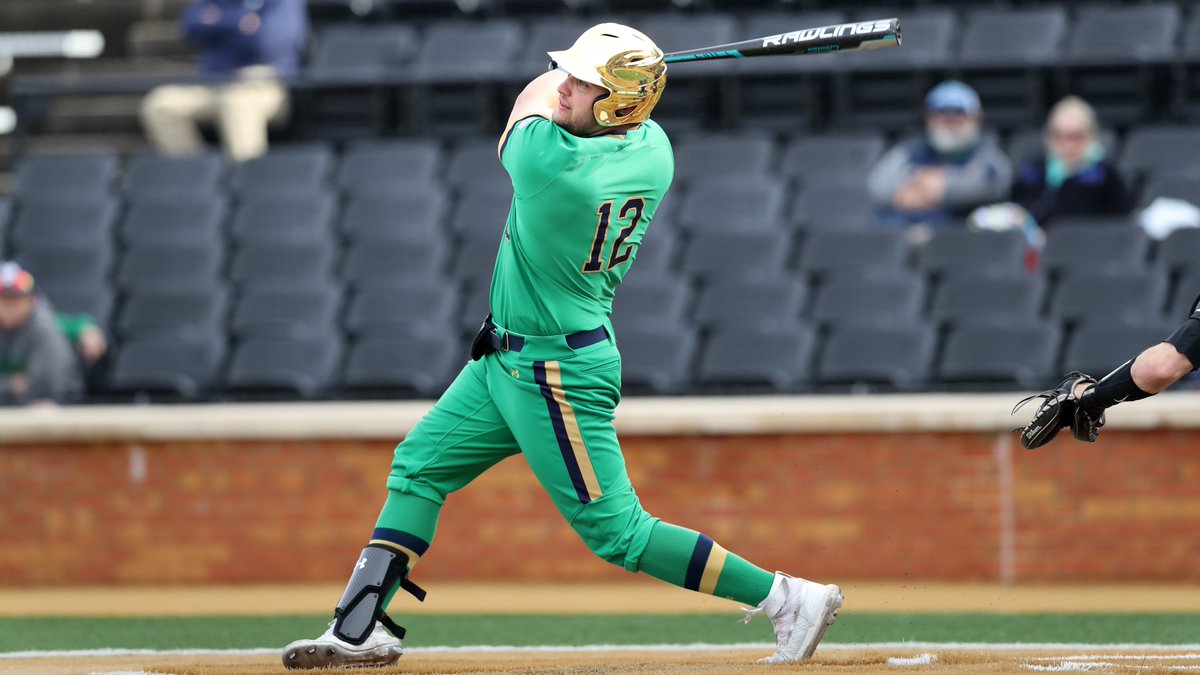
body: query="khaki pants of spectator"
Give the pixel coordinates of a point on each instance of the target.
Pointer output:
(241, 110)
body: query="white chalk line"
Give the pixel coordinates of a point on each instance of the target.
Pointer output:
(604, 648)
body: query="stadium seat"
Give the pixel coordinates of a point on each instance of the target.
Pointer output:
(475, 260)
(1109, 53)
(481, 213)
(275, 219)
(882, 298)
(286, 313)
(76, 221)
(475, 307)
(1001, 355)
(694, 104)
(778, 93)
(832, 253)
(1005, 66)
(300, 367)
(472, 166)
(1180, 251)
(186, 219)
(1187, 287)
(151, 313)
(655, 358)
(164, 177)
(396, 217)
(74, 296)
(723, 156)
(1136, 295)
(298, 168)
(775, 359)
(64, 177)
(1163, 149)
(394, 261)
(957, 252)
(468, 51)
(833, 207)
(382, 169)
(393, 310)
(361, 53)
(283, 265)
(1172, 186)
(745, 254)
(1097, 346)
(886, 87)
(884, 355)
(1076, 247)
(750, 303)
(725, 204)
(658, 255)
(421, 365)
(840, 158)
(63, 263)
(651, 300)
(161, 268)
(184, 367)
(974, 299)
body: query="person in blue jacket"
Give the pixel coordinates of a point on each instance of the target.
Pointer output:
(248, 48)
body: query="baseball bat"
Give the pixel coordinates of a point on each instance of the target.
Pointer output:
(842, 37)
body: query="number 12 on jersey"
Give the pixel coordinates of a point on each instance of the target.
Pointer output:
(631, 210)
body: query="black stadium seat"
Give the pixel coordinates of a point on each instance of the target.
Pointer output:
(157, 268)
(883, 298)
(1180, 251)
(180, 220)
(723, 156)
(286, 169)
(287, 265)
(1161, 149)
(724, 204)
(78, 222)
(73, 296)
(361, 53)
(64, 176)
(164, 177)
(1017, 354)
(286, 313)
(61, 263)
(397, 216)
(649, 301)
(184, 367)
(395, 261)
(655, 358)
(893, 356)
(774, 359)
(970, 299)
(300, 367)
(833, 207)
(832, 158)
(155, 313)
(1071, 248)
(421, 365)
(958, 252)
(384, 168)
(1135, 295)
(750, 303)
(832, 252)
(745, 254)
(1097, 346)
(298, 218)
(393, 310)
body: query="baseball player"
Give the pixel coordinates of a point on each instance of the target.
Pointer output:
(1079, 401)
(588, 169)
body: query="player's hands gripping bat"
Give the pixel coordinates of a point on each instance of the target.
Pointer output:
(843, 37)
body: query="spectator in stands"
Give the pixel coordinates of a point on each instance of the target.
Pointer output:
(1072, 178)
(36, 362)
(937, 179)
(246, 47)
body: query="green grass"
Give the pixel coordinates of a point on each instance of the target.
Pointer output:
(243, 632)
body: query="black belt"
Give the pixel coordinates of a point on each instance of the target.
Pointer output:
(515, 343)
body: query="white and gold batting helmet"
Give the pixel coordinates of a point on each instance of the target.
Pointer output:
(622, 60)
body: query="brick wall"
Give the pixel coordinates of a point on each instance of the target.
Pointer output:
(857, 506)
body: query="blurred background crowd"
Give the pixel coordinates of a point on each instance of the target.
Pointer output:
(248, 199)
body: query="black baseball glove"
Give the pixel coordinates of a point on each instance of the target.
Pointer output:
(1059, 409)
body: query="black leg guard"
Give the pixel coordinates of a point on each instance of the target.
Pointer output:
(378, 571)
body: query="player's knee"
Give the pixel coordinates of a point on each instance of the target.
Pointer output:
(615, 528)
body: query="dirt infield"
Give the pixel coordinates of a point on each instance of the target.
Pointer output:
(639, 596)
(847, 661)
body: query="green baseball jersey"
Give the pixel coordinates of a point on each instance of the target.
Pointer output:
(580, 209)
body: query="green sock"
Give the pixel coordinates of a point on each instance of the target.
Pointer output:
(406, 523)
(688, 559)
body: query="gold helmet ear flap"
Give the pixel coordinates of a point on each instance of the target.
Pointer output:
(635, 80)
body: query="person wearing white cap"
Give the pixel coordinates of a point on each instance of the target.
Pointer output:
(936, 179)
(589, 168)
(37, 365)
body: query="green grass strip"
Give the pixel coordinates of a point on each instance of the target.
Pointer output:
(23, 634)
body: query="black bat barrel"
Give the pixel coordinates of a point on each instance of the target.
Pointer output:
(844, 37)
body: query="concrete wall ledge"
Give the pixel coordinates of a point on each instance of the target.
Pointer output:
(715, 416)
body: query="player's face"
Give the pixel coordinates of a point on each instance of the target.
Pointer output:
(574, 110)
(15, 310)
(1069, 136)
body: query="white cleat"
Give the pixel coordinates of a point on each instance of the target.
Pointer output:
(381, 649)
(802, 611)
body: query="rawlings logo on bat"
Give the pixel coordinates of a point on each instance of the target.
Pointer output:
(826, 32)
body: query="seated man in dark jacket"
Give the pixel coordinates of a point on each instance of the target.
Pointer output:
(246, 46)
(1072, 178)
